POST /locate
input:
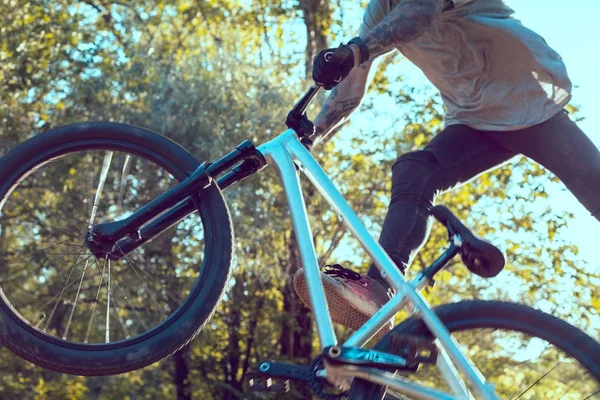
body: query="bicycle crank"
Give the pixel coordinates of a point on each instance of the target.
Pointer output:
(406, 353)
(274, 377)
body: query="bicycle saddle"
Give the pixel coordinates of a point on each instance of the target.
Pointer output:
(480, 257)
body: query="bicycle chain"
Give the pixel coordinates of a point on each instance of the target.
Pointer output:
(316, 383)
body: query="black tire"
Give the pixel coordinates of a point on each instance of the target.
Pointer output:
(178, 328)
(498, 315)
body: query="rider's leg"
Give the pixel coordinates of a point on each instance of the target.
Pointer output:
(561, 146)
(453, 157)
(558, 144)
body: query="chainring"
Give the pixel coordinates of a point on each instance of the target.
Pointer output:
(318, 385)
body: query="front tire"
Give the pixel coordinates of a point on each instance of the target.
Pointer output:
(179, 319)
(501, 316)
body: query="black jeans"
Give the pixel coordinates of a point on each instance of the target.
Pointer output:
(459, 154)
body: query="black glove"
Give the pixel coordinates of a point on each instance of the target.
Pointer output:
(331, 66)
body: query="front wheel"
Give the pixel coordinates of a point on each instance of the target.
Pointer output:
(525, 353)
(64, 308)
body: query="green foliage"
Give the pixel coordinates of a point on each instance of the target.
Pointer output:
(209, 75)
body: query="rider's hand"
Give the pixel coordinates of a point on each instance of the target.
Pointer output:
(331, 66)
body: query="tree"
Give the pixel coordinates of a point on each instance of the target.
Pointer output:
(210, 75)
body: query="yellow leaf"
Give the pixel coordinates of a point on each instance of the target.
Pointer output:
(419, 139)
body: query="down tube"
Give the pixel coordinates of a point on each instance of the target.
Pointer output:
(291, 183)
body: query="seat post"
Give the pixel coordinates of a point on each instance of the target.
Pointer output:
(442, 260)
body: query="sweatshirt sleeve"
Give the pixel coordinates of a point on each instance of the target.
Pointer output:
(376, 10)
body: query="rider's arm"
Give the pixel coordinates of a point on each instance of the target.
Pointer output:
(344, 99)
(402, 24)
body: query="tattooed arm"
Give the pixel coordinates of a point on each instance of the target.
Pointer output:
(344, 100)
(403, 23)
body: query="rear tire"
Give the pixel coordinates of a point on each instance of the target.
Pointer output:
(498, 315)
(178, 328)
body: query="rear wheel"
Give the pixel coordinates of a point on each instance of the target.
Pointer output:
(63, 308)
(525, 353)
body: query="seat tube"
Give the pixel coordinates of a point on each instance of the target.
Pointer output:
(277, 154)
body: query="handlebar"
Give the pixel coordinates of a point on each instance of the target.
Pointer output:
(296, 119)
(302, 105)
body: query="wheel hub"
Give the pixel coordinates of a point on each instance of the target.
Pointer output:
(99, 244)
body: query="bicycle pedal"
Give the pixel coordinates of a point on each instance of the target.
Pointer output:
(260, 383)
(416, 350)
(268, 372)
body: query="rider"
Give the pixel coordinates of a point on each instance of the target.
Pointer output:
(504, 91)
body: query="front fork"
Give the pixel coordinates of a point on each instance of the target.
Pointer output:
(117, 239)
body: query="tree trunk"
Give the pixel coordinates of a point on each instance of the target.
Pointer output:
(234, 319)
(317, 19)
(296, 332)
(182, 372)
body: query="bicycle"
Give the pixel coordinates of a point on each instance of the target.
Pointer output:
(127, 331)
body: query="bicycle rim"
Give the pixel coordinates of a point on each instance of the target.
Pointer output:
(50, 278)
(525, 353)
(520, 366)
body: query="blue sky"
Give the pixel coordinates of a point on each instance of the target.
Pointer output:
(572, 29)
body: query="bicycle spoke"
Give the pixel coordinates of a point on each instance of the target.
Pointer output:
(103, 175)
(169, 294)
(571, 387)
(79, 221)
(120, 318)
(131, 306)
(47, 284)
(539, 379)
(41, 223)
(517, 390)
(49, 247)
(20, 273)
(125, 173)
(109, 299)
(131, 263)
(63, 273)
(89, 328)
(75, 301)
(55, 296)
(125, 297)
(61, 293)
(90, 183)
(592, 395)
(61, 255)
(107, 323)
